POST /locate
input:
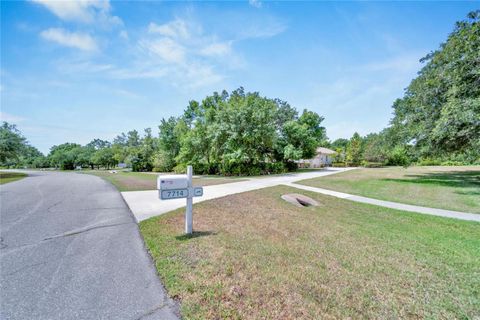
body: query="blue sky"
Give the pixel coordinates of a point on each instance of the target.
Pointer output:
(74, 71)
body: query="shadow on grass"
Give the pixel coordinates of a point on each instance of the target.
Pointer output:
(456, 179)
(469, 192)
(195, 234)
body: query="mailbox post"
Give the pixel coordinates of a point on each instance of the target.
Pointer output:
(180, 186)
(188, 213)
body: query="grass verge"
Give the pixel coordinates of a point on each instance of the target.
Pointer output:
(6, 177)
(138, 181)
(451, 188)
(254, 256)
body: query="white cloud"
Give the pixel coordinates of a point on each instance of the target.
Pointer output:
(123, 34)
(84, 11)
(177, 28)
(267, 29)
(69, 10)
(255, 3)
(197, 75)
(77, 40)
(10, 117)
(165, 48)
(180, 51)
(140, 72)
(217, 49)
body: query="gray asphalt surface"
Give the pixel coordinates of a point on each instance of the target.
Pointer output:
(70, 249)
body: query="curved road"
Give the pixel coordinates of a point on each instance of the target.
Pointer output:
(70, 249)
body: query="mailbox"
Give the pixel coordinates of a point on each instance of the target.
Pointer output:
(172, 182)
(180, 186)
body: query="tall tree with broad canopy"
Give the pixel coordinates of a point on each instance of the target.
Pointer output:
(240, 133)
(11, 142)
(15, 152)
(440, 112)
(65, 156)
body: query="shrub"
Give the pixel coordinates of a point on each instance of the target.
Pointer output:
(452, 163)
(275, 167)
(370, 164)
(429, 162)
(291, 166)
(398, 157)
(338, 164)
(163, 162)
(180, 168)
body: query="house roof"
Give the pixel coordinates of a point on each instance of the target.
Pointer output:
(325, 150)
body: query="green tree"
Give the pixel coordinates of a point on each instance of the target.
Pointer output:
(64, 156)
(11, 143)
(439, 114)
(354, 150)
(339, 155)
(375, 148)
(240, 133)
(98, 144)
(340, 143)
(168, 145)
(16, 152)
(399, 156)
(84, 157)
(105, 157)
(133, 139)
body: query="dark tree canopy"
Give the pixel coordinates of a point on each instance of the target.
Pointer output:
(440, 112)
(15, 151)
(239, 133)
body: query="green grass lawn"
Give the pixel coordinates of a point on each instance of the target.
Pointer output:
(255, 256)
(6, 177)
(453, 188)
(137, 181)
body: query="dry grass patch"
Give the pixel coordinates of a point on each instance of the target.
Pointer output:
(255, 256)
(6, 177)
(451, 188)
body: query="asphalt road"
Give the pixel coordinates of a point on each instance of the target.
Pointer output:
(70, 249)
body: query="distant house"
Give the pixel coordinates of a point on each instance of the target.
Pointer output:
(323, 158)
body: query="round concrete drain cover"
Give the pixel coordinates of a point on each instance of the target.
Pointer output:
(299, 200)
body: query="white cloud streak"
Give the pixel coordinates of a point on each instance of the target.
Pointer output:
(167, 49)
(217, 49)
(255, 3)
(177, 28)
(178, 51)
(83, 11)
(76, 40)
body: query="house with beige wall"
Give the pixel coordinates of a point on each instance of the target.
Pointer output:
(323, 158)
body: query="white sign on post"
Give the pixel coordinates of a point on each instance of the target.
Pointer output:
(173, 194)
(180, 186)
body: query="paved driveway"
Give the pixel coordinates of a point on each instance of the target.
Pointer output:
(146, 204)
(70, 249)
